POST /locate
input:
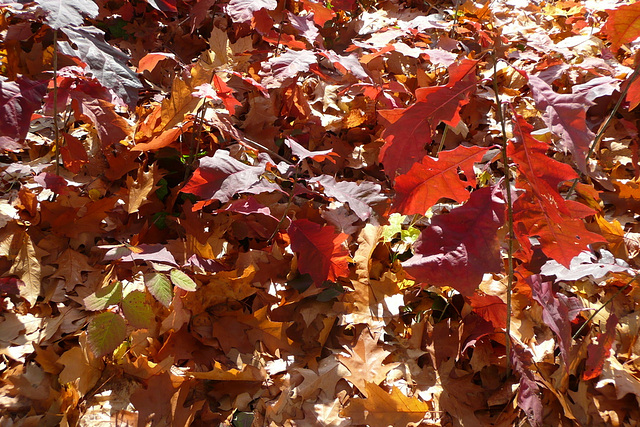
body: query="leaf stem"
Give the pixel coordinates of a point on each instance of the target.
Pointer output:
(55, 100)
(507, 184)
(604, 305)
(606, 124)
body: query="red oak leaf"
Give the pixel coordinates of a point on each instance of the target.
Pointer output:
(561, 236)
(459, 247)
(542, 173)
(408, 130)
(491, 309)
(623, 25)
(433, 179)
(220, 177)
(320, 251)
(225, 93)
(566, 116)
(598, 353)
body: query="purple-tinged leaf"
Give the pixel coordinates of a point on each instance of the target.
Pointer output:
(18, 100)
(152, 253)
(278, 69)
(566, 115)
(360, 196)
(598, 353)
(307, 28)
(528, 399)
(556, 312)
(220, 177)
(243, 10)
(105, 62)
(460, 247)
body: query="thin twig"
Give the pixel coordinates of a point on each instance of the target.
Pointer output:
(606, 124)
(55, 100)
(507, 185)
(603, 306)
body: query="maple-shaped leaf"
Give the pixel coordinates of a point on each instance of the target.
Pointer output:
(566, 116)
(280, 68)
(542, 174)
(243, 10)
(432, 179)
(321, 252)
(385, 409)
(61, 13)
(18, 100)
(623, 25)
(408, 130)
(365, 361)
(360, 196)
(598, 353)
(105, 62)
(459, 247)
(220, 177)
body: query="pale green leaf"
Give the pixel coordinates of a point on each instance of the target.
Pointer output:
(159, 286)
(136, 310)
(181, 280)
(105, 333)
(104, 297)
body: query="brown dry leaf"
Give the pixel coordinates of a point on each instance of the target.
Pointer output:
(218, 373)
(365, 361)
(71, 265)
(81, 367)
(26, 265)
(381, 409)
(142, 187)
(223, 286)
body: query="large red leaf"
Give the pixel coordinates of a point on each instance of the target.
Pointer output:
(561, 236)
(18, 100)
(433, 179)
(320, 251)
(542, 173)
(459, 247)
(408, 130)
(566, 116)
(623, 25)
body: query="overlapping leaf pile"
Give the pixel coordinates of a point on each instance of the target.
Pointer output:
(319, 213)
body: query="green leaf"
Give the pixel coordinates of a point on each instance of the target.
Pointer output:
(104, 297)
(136, 310)
(105, 333)
(394, 227)
(181, 280)
(159, 286)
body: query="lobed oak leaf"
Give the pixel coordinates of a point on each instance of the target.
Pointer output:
(64, 13)
(598, 353)
(302, 153)
(320, 251)
(566, 116)
(585, 264)
(458, 248)
(278, 69)
(220, 177)
(18, 100)
(321, 14)
(408, 130)
(365, 361)
(432, 179)
(623, 25)
(382, 409)
(360, 196)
